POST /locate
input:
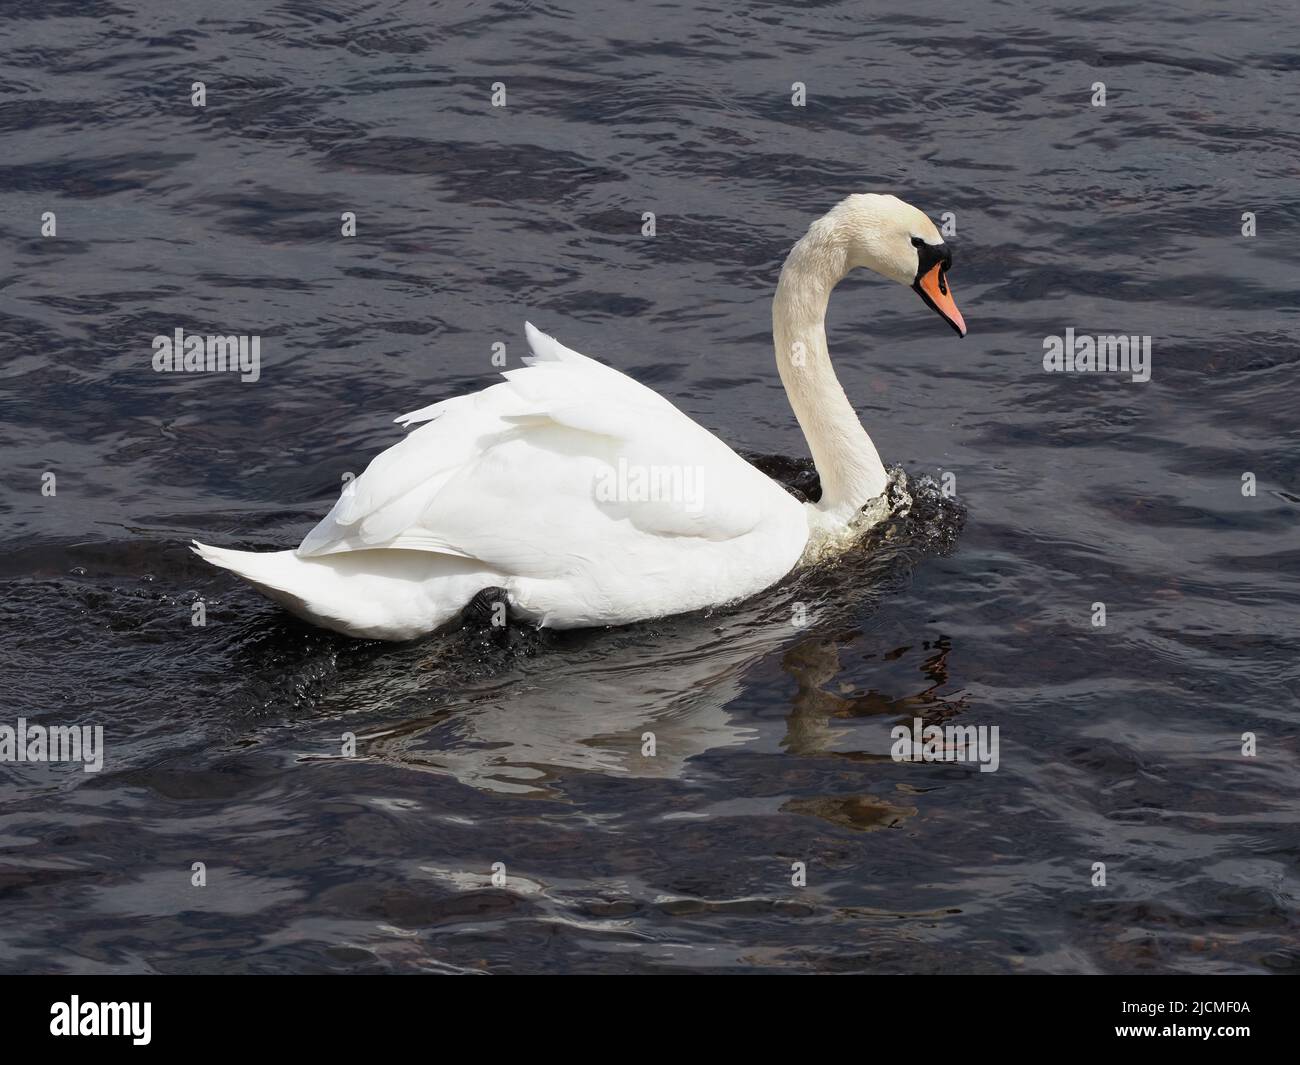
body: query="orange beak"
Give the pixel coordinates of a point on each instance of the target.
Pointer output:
(933, 288)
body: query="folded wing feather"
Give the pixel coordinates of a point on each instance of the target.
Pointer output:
(509, 475)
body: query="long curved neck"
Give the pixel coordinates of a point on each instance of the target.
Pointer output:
(847, 463)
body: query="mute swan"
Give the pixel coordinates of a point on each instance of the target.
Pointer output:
(590, 499)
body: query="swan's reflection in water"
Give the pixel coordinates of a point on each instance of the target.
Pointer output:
(815, 664)
(596, 711)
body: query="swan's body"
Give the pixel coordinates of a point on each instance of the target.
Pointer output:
(589, 498)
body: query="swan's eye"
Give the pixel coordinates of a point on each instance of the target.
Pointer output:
(917, 242)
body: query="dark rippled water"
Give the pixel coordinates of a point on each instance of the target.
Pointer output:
(1119, 744)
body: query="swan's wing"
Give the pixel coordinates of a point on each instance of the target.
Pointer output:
(564, 460)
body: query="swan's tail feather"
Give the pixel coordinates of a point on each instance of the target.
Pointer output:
(377, 595)
(279, 576)
(272, 571)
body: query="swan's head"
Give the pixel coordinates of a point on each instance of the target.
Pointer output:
(897, 241)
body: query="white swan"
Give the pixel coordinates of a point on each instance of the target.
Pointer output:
(589, 498)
